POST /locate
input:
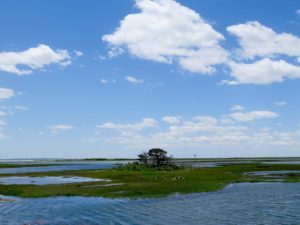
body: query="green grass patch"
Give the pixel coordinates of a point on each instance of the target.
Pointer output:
(147, 183)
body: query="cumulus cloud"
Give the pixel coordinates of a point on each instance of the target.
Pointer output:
(251, 116)
(145, 123)
(6, 93)
(263, 47)
(171, 119)
(201, 131)
(33, 58)
(185, 38)
(134, 80)
(56, 129)
(264, 71)
(206, 124)
(237, 108)
(166, 31)
(195, 132)
(256, 39)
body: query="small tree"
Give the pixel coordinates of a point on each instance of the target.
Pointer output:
(143, 158)
(158, 156)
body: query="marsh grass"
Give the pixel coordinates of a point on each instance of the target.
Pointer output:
(147, 182)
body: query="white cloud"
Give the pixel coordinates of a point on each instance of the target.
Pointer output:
(200, 133)
(2, 123)
(33, 58)
(281, 103)
(171, 119)
(134, 80)
(2, 113)
(187, 39)
(107, 81)
(6, 93)
(22, 108)
(114, 52)
(265, 71)
(166, 31)
(56, 129)
(256, 39)
(104, 81)
(298, 12)
(226, 121)
(145, 123)
(264, 47)
(251, 116)
(237, 108)
(78, 53)
(199, 130)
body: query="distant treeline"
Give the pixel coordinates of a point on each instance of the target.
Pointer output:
(107, 159)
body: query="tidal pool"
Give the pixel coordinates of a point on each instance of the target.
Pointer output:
(245, 203)
(45, 180)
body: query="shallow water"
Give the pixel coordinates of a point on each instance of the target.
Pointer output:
(85, 166)
(199, 164)
(45, 180)
(284, 162)
(248, 203)
(88, 166)
(278, 172)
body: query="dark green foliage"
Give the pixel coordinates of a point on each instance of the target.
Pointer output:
(157, 157)
(136, 166)
(143, 158)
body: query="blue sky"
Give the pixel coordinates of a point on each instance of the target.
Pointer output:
(113, 78)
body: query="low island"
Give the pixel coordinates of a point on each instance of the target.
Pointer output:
(154, 175)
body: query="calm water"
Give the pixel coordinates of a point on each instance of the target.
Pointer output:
(85, 166)
(251, 203)
(46, 180)
(71, 166)
(279, 172)
(284, 162)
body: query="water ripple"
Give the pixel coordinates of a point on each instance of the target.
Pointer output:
(250, 203)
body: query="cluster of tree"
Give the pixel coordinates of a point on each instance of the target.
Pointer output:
(155, 157)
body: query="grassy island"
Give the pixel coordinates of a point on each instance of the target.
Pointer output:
(144, 181)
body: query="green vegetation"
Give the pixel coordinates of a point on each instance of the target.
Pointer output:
(155, 157)
(147, 182)
(135, 166)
